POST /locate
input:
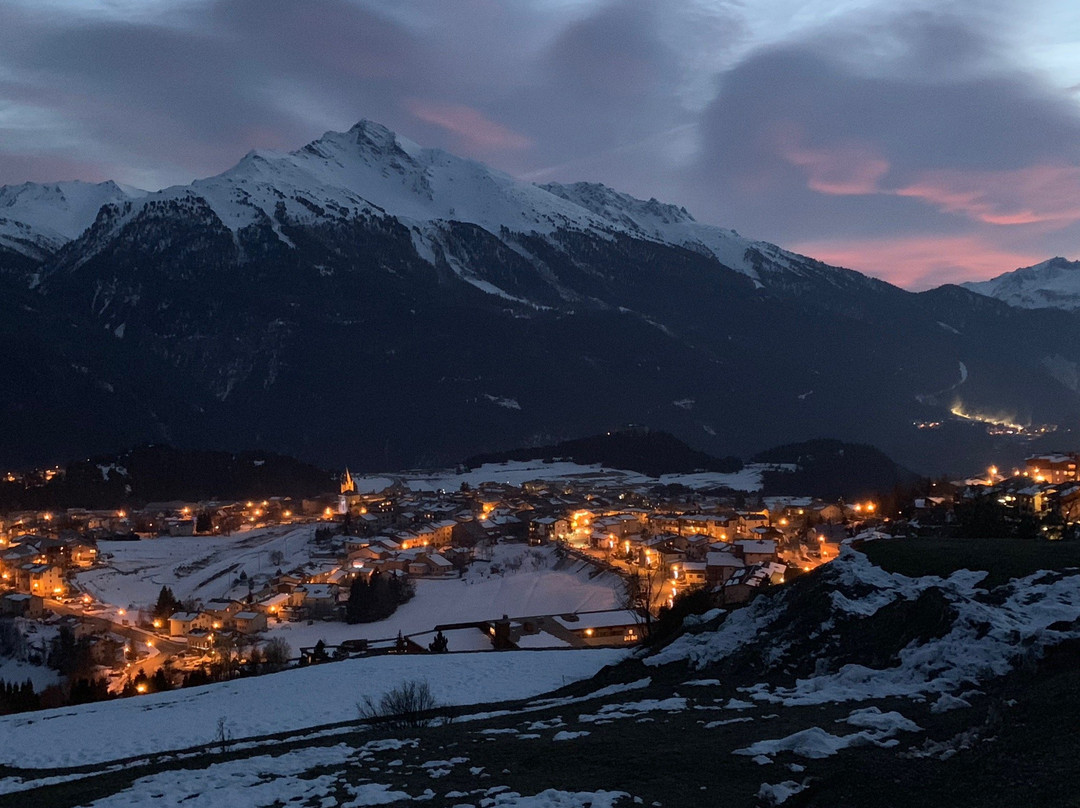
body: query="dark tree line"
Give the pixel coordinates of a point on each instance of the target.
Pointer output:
(18, 698)
(376, 597)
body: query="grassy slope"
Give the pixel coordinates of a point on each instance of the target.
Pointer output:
(1004, 559)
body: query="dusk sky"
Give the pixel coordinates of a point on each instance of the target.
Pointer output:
(922, 142)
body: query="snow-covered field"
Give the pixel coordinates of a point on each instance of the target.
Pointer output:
(192, 566)
(282, 702)
(534, 589)
(13, 671)
(518, 472)
(196, 567)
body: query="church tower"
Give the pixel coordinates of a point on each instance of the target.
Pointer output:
(348, 485)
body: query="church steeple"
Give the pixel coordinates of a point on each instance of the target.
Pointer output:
(348, 485)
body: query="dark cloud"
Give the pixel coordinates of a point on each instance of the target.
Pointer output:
(939, 140)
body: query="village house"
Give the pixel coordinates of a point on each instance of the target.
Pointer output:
(748, 520)
(46, 580)
(602, 628)
(317, 600)
(1057, 467)
(720, 565)
(747, 582)
(249, 622)
(753, 551)
(181, 624)
(431, 565)
(544, 529)
(690, 573)
(22, 604)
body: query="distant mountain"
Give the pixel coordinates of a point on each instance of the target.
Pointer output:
(832, 469)
(643, 451)
(366, 301)
(36, 219)
(1051, 284)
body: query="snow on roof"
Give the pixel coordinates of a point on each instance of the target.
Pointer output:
(318, 590)
(756, 546)
(457, 639)
(723, 559)
(246, 615)
(607, 619)
(540, 640)
(184, 616)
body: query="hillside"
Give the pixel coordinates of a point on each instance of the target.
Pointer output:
(947, 691)
(832, 469)
(160, 473)
(644, 451)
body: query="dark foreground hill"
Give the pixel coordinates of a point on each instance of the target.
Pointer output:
(832, 469)
(852, 686)
(640, 450)
(160, 473)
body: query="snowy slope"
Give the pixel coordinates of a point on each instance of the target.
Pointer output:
(657, 221)
(36, 219)
(986, 637)
(370, 170)
(1051, 284)
(280, 702)
(517, 472)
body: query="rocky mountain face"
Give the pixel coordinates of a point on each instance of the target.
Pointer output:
(1051, 284)
(368, 301)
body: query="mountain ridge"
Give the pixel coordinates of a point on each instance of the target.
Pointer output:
(1054, 283)
(362, 300)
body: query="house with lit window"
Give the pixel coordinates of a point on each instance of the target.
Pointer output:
(611, 628)
(46, 580)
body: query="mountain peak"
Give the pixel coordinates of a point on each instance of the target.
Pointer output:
(1054, 283)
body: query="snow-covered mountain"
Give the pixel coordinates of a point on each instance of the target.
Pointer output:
(37, 219)
(1051, 284)
(371, 171)
(318, 301)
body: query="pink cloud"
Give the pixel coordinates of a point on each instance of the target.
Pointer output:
(844, 170)
(471, 125)
(920, 262)
(1041, 194)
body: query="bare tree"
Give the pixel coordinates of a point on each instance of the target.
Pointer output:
(639, 591)
(407, 706)
(276, 654)
(223, 736)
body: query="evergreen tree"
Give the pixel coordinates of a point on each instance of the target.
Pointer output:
(167, 604)
(439, 645)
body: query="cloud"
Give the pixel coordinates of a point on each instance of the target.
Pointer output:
(799, 123)
(474, 129)
(906, 129)
(920, 262)
(845, 169)
(1038, 194)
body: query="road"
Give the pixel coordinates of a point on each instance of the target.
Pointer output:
(166, 647)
